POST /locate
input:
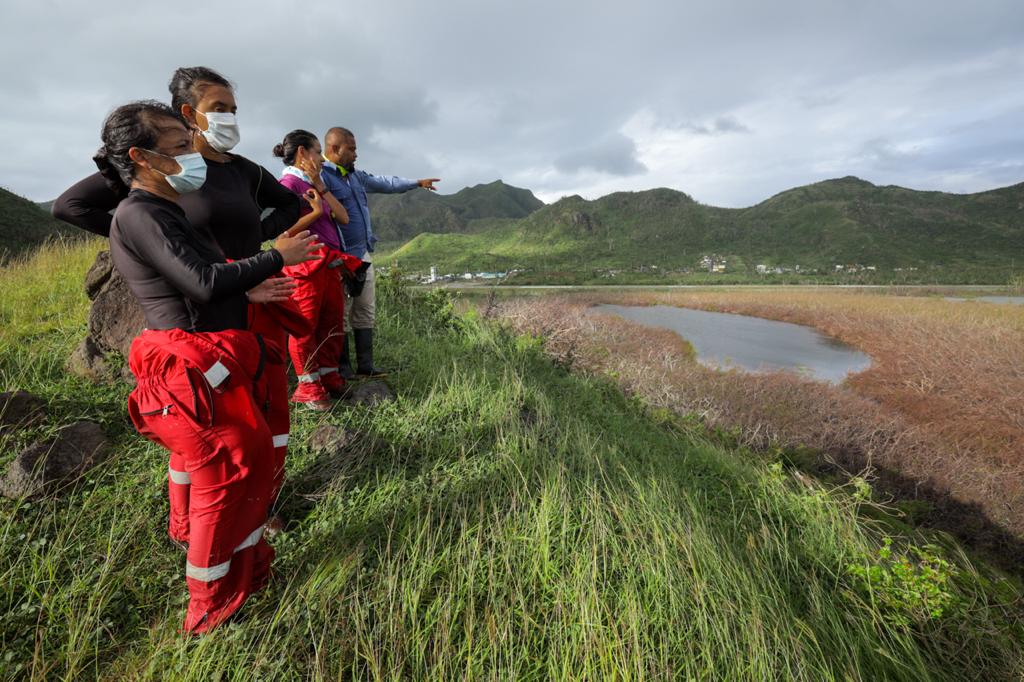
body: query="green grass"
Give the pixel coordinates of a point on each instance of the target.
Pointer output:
(503, 519)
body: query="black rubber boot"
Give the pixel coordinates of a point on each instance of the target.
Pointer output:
(344, 364)
(364, 354)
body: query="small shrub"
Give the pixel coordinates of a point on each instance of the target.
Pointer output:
(439, 306)
(912, 587)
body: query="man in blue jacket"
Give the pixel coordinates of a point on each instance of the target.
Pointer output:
(349, 186)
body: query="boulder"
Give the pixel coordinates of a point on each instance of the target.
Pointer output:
(98, 274)
(44, 467)
(369, 393)
(89, 362)
(115, 319)
(19, 409)
(331, 439)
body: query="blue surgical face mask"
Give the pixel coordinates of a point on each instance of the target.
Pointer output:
(191, 176)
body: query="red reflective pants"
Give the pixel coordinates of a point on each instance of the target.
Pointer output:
(319, 297)
(195, 397)
(273, 321)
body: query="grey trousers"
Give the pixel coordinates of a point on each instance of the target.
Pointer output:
(361, 311)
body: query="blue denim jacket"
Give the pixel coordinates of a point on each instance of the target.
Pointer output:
(350, 190)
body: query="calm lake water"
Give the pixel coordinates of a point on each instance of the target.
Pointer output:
(724, 340)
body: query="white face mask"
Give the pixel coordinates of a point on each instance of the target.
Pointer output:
(221, 130)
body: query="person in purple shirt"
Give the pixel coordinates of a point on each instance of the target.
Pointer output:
(318, 292)
(349, 186)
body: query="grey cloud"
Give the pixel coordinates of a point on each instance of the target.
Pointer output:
(720, 126)
(615, 154)
(819, 99)
(883, 153)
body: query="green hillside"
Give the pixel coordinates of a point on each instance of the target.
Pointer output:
(24, 225)
(399, 217)
(846, 221)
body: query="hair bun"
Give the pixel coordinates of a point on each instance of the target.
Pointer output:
(279, 150)
(109, 173)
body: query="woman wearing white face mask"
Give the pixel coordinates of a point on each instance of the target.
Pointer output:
(229, 205)
(198, 368)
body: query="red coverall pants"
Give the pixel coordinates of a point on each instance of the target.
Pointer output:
(195, 397)
(319, 297)
(274, 322)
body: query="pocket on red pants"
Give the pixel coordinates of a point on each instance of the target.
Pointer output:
(146, 402)
(175, 417)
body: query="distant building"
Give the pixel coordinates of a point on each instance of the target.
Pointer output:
(713, 263)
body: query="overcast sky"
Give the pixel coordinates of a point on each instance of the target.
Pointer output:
(729, 101)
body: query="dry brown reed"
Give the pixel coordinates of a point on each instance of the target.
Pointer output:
(939, 415)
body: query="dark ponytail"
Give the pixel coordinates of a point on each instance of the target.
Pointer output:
(292, 141)
(130, 125)
(188, 83)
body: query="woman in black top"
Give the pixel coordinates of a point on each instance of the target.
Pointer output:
(196, 364)
(230, 207)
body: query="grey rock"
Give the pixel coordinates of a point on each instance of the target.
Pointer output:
(44, 467)
(582, 221)
(19, 409)
(331, 439)
(369, 393)
(115, 319)
(100, 271)
(89, 362)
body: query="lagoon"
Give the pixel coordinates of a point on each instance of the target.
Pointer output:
(729, 341)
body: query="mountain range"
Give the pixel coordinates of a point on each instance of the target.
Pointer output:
(495, 226)
(846, 221)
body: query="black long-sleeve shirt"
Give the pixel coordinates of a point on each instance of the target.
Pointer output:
(229, 205)
(177, 272)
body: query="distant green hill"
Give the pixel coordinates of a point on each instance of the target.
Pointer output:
(845, 221)
(24, 225)
(400, 217)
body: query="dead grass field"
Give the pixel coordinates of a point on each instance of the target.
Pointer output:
(939, 415)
